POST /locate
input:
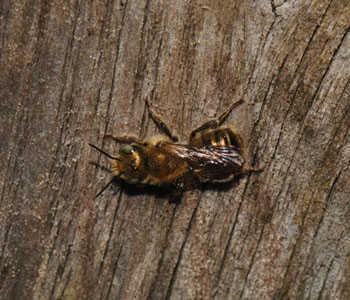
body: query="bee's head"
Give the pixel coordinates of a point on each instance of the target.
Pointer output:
(126, 166)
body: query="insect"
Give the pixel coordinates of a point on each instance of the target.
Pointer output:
(213, 153)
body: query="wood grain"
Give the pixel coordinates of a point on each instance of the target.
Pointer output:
(72, 71)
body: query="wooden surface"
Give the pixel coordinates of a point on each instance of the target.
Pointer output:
(71, 71)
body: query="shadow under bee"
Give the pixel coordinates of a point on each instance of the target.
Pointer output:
(168, 193)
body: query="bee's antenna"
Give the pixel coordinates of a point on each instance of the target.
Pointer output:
(103, 168)
(103, 152)
(105, 187)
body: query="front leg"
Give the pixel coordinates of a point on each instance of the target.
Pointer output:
(159, 122)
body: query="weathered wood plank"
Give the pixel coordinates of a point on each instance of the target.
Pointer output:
(72, 71)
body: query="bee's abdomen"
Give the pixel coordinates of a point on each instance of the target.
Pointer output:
(224, 137)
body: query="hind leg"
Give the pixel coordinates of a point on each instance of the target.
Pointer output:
(251, 169)
(217, 122)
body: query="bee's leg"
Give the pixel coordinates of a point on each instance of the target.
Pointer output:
(252, 169)
(159, 122)
(175, 197)
(105, 187)
(103, 168)
(217, 122)
(126, 139)
(177, 192)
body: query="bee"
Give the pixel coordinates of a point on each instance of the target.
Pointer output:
(212, 154)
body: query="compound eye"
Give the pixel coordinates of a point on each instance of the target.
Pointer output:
(127, 149)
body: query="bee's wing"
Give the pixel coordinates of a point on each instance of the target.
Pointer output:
(210, 163)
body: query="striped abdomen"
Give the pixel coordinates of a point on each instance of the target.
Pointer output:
(222, 136)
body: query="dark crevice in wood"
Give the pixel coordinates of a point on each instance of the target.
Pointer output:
(286, 281)
(297, 88)
(152, 94)
(261, 112)
(55, 238)
(15, 156)
(162, 256)
(144, 122)
(291, 161)
(98, 61)
(98, 101)
(251, 263)
(11, 154)
(229, 240)
(269, 86)
(54, 203)
(307, 48)
(320, 295)
(106, 14)
(65, 70)
(68, 279)
(50, 259)
(338, 103)
(115, 268)
(60, 270)
(285, 288)
(245, 237)
(67, 256)
(324, 211)
(261, 46)
(264, 103)
(273, 8)
(211, 225)
(115, 63)
(142, 58)
(4, 17)
(345, 119)
(346, 86)
(110, 235)
(3, 266)
(109, 199)
(173, 275)
(334, 54)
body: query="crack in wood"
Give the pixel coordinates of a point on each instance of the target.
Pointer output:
(229, 240)
(111, 233)
(119, 38)
(162, 256)
(115, 268)
(251, 263)
(173, 276)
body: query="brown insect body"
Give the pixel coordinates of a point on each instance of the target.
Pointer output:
(149, 163)
(212, 154)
